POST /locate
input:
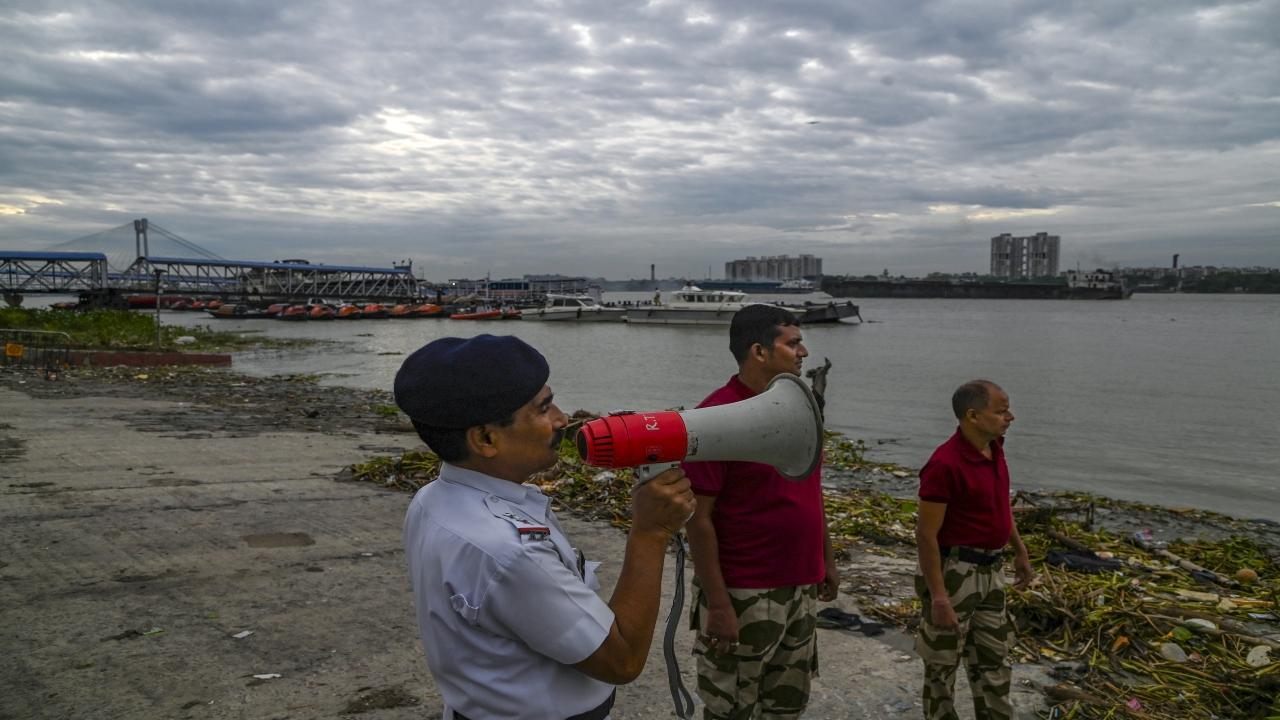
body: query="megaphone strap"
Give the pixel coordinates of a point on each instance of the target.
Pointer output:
(679, 694)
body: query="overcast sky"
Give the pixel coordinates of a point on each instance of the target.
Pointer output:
(598, 137)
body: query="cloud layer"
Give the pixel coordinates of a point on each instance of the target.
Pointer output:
(597, 138)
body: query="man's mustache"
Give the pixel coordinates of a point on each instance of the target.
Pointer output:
(557, 438)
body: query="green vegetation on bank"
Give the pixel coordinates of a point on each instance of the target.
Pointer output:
(127, 330)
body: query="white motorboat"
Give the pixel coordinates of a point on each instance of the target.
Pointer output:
(691, 305)
(575, 308)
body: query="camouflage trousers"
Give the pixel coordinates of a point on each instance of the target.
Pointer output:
(982, 642)
(768, 673)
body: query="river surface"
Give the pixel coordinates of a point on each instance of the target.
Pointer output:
(1169, 399)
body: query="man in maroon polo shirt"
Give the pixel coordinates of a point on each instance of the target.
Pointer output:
(964, 524)
(761, 553)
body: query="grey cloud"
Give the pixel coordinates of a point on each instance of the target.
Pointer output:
(490, 136)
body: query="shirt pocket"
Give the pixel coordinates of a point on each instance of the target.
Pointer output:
(464, 608)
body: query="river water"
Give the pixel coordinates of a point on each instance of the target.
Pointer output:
(1170, 399)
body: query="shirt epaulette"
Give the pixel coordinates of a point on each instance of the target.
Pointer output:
(525, 527)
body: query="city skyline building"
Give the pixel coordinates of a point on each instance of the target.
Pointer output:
(1028, 256)
(774, 267)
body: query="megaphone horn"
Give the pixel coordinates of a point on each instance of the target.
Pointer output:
(781, 426)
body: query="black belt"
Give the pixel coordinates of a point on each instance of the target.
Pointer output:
(972, 555)
(599, 712)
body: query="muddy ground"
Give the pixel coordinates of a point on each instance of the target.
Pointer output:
(183, 543)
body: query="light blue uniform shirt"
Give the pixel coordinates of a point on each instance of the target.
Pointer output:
(503, 610)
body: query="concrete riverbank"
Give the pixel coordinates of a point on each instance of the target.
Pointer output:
(178, 552)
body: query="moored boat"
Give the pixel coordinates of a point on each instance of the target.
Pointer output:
(230, 311)
(812, 313)
(691, 305)
(429, 310)
(347, 311)
(320, 312)
(576, 308)
(294, 313)
(477, 314)
(403, 310)
(373, 311)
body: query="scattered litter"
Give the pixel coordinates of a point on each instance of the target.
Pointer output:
(242, 634)
(184, 340)
(1197, 596)
(267, 676)
(153, 631)
(1200, 624)
(141, 376)
(1173, 652)
(1259, 656)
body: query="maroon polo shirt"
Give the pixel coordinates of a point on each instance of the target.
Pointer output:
(975, 491)
(769, 529)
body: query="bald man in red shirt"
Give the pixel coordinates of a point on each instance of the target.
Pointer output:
(964, 524)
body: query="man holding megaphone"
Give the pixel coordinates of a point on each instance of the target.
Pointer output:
(507, 610)
(762, 555)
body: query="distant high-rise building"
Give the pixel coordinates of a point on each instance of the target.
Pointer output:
(1030, 256)
(776, 267)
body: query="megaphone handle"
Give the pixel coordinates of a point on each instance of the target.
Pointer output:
(645, 473)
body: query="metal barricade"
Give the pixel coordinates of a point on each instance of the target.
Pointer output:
(40, 350)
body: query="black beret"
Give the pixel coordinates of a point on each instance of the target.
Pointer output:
(462, 382)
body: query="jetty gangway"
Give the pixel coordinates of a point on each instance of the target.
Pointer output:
(65, 273)
(251, 278)
(89, 273)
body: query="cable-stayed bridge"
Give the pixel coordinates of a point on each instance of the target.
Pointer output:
(164, 262)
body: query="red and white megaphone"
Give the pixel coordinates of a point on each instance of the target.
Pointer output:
(781, 426)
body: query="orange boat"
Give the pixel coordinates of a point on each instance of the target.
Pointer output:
(213, 305)
(348, 312)
(294, 312)
(276, 309)
(197, 305)
(374, 311)
(402, 311)
(320, 312)
(510, 314)
(477, 315)
(428, 310)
